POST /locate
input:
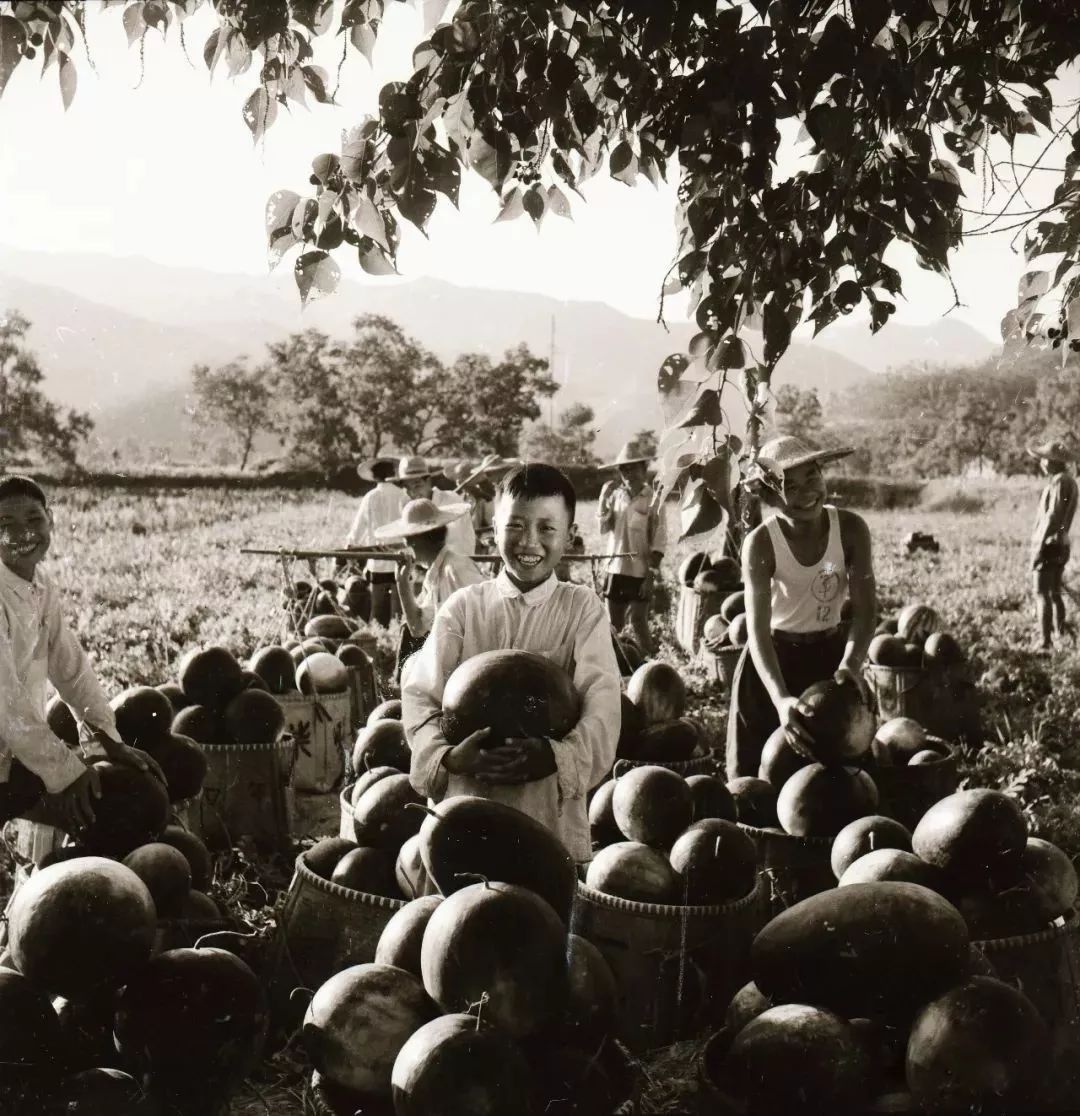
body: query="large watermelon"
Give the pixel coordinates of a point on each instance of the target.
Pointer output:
(511, 693)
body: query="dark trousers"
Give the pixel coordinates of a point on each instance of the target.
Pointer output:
(408, 644)
(752, 718)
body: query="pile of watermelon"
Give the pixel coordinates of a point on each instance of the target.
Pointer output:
(874, 996)
(914, 639)
(302, 601)
(726, 628)
(479, 999)
(96, 1018)
(663, 838)
(655, 728)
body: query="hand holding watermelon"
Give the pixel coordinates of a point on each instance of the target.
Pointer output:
(793, 716)
(535, 761)
(473, 757)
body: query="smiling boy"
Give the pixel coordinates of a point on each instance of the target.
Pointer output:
(799, 566)
(40, 777)
(524, 608)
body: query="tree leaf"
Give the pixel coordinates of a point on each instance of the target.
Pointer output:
(303, 217)
(238, 56)
(491, 159)
(458, 119)
(354, 153)
(444, 172)
(215, 46)
(512, 206)
(363, 36)
(374, 260)
(281, 240)
(558, 203)
(315, 78)
(260, 110)
(699, 511)
(535, 203)
(417, 202)
(12, 40)
(369, 221)
(134, 24)
(279, 210)
(68, 80)
(316, 275)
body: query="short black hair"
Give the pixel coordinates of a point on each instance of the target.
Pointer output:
(15, 485)
(534, 480)
(383, 470)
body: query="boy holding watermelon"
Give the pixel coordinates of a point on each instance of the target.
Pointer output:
(799, 566)
(525, 608)
(40, 777)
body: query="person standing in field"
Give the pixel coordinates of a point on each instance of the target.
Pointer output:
(799, 566)
(524, 608)
(418, 480)
(1050, 540)
(41, 778)
(424, 528)
(630, 516)
(381, 505)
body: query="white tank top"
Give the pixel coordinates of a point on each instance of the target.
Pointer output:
(808, 598)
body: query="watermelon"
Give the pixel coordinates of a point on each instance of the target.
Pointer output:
(819, 801)
(322, 673)
(329, 627)
(380, 818)
(166, 873)
(892, 865)
(358, 1021)
(325, 855)
(510, 693)
(132, 810)
(194, 1022)
(196, 852)
(274, 665)
(98, 1090)
(602, 826)
(716, 861)
(636, 872)
(201, 724)
(779, 760)
(658, 690)
(370, 871)
(652, 805)
(409, 870)
(710, 798)
(381, 743)
(143, 716)
(500, 943)
(430, 1068)
(755, 801)
(386, 711)
(177, 699)
(183, 763)
(368, 779)
(864, 835)
(839, 721)
(79, 925)
(31, 1041)
(592, 1005)
(254, 717)
(62, 721)
(399, 943)
(916, 623)
(466, 834)
(210, 677)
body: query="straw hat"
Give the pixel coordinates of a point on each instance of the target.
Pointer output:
(1055, 450)
(788, 452)
(492, 463)
(628, 457)
(420, 516)
(413, 468)
(364, 469)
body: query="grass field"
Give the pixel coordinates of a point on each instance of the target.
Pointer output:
(147, 577)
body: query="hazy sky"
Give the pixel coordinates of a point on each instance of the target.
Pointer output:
(169, 172)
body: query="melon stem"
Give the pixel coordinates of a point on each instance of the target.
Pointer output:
(472, 876)
(422, 806)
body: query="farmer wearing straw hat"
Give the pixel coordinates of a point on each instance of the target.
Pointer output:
(417, 477)
(1050, 538)
(629, 515)
(424, 527)
(379, 506)
(477, 485)
(798, 567)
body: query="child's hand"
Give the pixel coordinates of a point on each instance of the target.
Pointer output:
(534, 760)
(119, 753)
(76, 802)
(792, 714)
(470, 757)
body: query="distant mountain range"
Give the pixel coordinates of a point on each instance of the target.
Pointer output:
(118, 337)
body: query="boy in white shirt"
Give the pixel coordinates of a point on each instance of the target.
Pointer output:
(40, 777)
(524, 608)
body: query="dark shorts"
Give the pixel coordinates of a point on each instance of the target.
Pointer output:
(752, 717)
(623, 588)
(22, 792)
(408, 645)
(382, 578)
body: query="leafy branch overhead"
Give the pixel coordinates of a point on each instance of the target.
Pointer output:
(891, 100)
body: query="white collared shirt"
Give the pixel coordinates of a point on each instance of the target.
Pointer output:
(460, 534)
(382, 505)
(38, 647)
(565, 623)
(633, 526)
(449, 572)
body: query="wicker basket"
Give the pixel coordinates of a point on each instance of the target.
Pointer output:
(248, 792)
(320, 726)
(721, 665)
(791, 868)
(674, 965)
(363, 696)
(1045, 966)
(944, 702)
(323, 928)
(906, 793)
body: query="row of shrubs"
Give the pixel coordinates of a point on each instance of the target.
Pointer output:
(856, 492)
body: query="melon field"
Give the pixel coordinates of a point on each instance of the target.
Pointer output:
(149, 575)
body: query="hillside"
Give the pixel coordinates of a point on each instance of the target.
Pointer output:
(119, 336)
